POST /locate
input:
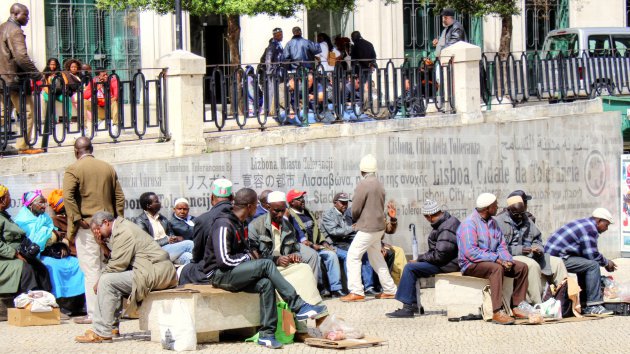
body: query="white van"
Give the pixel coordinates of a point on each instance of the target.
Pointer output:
(597, 41)
(594, 60)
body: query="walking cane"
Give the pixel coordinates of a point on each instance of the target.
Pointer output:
(414, 253)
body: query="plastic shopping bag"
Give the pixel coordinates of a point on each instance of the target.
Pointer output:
(285, 329)
(38, 300)
(336, 328)
(177, 328)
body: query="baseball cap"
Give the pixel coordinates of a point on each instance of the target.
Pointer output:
(342, 197)
(602, 213)
(293, 194)
(521, 194)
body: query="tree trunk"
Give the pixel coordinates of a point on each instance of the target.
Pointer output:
(504, 51)
(506, 35)
(234, 36)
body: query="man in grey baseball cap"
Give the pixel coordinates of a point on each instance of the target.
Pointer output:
(440, 258)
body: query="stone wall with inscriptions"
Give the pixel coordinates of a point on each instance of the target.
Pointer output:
(568, 164)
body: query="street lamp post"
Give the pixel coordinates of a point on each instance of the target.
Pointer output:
(178, 24)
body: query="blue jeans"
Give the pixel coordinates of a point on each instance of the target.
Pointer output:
(367, 273)
(589, 278)
(180, 252)
(406, 292)
(332, 269)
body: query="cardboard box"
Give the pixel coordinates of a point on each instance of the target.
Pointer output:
(345, 343)
(25, 318)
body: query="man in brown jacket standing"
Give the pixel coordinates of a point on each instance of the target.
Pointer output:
(368, 204)
(89, 186)
(17, 68)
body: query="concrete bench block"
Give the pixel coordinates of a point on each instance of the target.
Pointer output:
(462, 295)
(213, 310)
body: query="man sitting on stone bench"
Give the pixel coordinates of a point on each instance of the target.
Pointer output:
(483, 254)
(576, 244)
(137, 265)
(440, 258)
(233, 267)
(524, 242)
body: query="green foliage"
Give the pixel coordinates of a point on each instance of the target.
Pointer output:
(231, 7)
(480, 7)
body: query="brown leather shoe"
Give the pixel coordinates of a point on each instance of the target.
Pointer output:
(115, 332)
(352, 297)
(31, 151)
(385, 296)
(82, 320)
(91, 337)
(500, 317)
(518, 313)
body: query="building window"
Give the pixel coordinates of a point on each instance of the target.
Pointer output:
(422, 23)
(542, 16)
(330, 22)
(102, 38)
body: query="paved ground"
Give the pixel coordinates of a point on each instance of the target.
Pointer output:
(431, 333)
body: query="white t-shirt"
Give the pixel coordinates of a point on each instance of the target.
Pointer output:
(324, 56)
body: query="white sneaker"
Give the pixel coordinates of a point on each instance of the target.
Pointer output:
(101, 124)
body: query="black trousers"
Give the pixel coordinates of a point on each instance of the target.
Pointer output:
(34, 277)
(260, 276)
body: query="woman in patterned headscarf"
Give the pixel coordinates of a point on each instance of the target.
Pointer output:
(65, 274)
(17, 273)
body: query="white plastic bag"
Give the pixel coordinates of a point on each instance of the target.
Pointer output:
(551, 308)
(177, 328)
(336, 328)
(40, 301)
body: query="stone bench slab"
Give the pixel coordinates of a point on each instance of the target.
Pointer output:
(463, 295)
(212, 310)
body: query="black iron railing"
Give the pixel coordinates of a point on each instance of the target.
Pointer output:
(554, 76)
(303, 93)
(107, 105)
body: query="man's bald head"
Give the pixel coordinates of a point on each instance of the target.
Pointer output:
(19, 13)
(17, 7)
(82, 146)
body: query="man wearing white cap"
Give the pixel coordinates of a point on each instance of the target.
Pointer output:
(524, 242)
(484, 254)
(273, 237)
(181, 221)
(368, 210)
(576, 244)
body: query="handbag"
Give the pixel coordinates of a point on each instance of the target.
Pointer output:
(332, 58)
(29, 249)
(57, 250)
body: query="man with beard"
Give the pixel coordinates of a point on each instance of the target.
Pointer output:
(440, 258)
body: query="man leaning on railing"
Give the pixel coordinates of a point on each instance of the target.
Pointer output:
(17, 69)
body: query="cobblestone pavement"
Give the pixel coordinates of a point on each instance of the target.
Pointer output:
(431, 333)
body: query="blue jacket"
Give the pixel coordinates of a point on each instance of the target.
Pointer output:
(300, 49)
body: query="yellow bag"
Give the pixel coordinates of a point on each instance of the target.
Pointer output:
(332, 58)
